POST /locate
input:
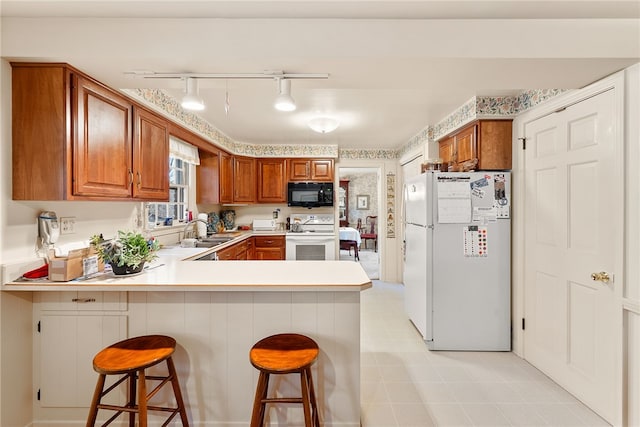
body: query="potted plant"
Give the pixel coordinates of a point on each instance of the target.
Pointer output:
(126, 253)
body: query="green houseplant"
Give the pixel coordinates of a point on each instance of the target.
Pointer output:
(126, 253)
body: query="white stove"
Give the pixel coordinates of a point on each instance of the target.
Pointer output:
(314, 237)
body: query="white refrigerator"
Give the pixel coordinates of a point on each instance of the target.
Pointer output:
(457, 269)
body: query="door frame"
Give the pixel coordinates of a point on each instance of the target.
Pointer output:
(382, 230)
(615, 82)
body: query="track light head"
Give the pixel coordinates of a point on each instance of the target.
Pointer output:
(191, 100)
(284, 101)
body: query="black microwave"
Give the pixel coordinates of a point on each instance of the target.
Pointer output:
(310, 194)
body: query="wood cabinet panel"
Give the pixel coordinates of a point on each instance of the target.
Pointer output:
(447, 151)
(241, 251)
(322, 170)
(226, 254)
(495, 144)
(466, 144)
(272, 184)
(102, 154)
(244, 180)
(150, 156)
(270, 247)
(226, 177)
(298, 169)
(41, 146)
(208, 178)
(488, 141)
(310, 169)
(80, 140)
(251, 248)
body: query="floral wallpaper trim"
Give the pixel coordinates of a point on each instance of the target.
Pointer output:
(165, 103)
(368, 154)
(492, 106)
(161, 101)
(476, 107)
(286, 150)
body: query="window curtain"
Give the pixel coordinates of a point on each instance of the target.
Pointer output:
(183, 151)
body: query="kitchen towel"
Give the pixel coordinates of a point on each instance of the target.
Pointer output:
(202, 226)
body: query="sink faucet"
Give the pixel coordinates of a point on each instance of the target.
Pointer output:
(184, 231)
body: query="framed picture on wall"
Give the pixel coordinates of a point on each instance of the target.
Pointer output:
(362, 202)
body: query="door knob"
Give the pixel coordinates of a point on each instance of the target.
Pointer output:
(603, 276)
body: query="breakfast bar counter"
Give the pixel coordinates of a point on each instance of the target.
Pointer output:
(216, 311)
(171, 274)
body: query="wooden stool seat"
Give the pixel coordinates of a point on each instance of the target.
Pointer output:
(285, 354)
(134, 353)
(131, 357)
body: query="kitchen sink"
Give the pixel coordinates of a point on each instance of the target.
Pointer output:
(209, 242)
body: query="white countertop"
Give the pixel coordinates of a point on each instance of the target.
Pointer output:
(173, 271)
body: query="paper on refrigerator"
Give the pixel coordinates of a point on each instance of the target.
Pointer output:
(454, 201)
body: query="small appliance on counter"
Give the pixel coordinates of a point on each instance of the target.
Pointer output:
(264, 225)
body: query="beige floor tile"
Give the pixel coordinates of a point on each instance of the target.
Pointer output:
(403, 384)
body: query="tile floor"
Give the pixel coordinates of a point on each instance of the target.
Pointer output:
(404, 384)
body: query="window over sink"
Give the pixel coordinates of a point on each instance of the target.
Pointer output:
(183, 158)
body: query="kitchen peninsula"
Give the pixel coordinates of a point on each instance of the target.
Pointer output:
(215, 310)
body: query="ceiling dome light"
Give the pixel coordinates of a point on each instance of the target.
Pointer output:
(323, 124)
(191, 100)
(284, 101)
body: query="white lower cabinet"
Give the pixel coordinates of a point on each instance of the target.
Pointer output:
(71, 328)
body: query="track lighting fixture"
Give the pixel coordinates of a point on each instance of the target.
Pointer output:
(284, 101)
(191, 100)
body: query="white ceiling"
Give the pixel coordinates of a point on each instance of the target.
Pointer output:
(395, 66)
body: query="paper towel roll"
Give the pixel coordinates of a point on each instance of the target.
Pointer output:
(201, 226)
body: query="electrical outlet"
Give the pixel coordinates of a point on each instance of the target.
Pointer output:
(68, 225)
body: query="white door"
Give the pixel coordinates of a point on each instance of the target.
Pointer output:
(573, 228)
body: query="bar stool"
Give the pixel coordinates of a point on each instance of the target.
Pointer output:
(132, 357)
(285, 354)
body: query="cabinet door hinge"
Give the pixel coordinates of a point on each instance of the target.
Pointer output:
(523, 323)
(38, 394)
(524, 143)
(38, 326)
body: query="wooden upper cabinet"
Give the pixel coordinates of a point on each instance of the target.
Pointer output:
(74, 140)
(244, 180)
(310, 169)
(208, 178)
(494, 145)
(488, 141)
(466, 144)
(41, 139)
(447, 151)
(150, 156)
(322, 170)
(226, 177)
(272, 182)
(102, 153)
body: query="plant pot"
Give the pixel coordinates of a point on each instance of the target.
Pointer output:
(126, 269)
